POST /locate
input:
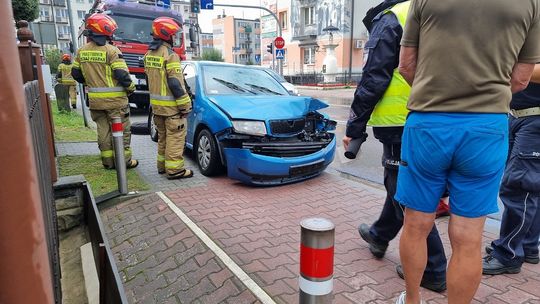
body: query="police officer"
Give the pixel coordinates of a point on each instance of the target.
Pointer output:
(64, 77)
(380, 100)
(100, 66)
(169, 99)
(520, 188)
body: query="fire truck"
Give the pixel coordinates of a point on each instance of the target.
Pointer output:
(134, 19)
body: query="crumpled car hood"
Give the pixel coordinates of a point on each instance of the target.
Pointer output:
(266, 107)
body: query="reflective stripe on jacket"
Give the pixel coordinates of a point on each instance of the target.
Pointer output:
(160, 65)
(97, 64)
(65, 72)
(391, 110)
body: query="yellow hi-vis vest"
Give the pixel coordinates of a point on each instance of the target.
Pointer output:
(391, 110)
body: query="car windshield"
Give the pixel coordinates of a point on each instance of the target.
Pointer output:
(239, 80)
(137, 30)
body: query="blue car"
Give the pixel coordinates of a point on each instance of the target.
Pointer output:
(246, 121)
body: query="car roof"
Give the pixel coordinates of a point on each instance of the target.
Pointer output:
(219, 63)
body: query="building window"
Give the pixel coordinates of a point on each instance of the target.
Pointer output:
(61, 14)
(81, 14)
(308, 13)
(283, 20)
(309, 55)
(44, 14)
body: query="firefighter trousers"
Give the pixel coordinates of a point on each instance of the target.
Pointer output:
(171, 141)
(103, 119)
(73, 94)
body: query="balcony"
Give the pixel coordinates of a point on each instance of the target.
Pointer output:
(62, 19)
(64, 36)
(59, 3)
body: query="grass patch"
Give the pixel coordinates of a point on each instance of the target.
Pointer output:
(69, 126)
(101, 180)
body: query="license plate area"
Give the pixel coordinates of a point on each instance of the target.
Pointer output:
(306, 169)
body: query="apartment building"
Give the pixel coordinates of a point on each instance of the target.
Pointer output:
(238, 39)
(190, 21)
(303, 23)
(51, 29)
(206, 42)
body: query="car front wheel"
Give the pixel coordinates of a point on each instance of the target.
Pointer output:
(207, 153)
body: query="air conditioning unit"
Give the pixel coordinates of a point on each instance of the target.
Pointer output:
(359, 44)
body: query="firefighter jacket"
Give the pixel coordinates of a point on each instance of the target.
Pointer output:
(106, 75)
(64, 74)
(168, 94)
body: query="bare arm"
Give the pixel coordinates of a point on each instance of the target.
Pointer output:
(407, 63)
(521, 74)
(536, 74)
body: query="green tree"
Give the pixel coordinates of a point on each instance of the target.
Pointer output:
(212, 55)
(53, 58)
(25, 9)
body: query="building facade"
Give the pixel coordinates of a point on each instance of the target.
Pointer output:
(303, 24)
(206, 42)
(238, 39)
(190, 21)
(51, 29)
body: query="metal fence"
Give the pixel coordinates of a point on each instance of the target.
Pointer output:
(44, 168)
(312, 79)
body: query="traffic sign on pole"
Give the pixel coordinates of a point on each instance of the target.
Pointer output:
(207, 4)
(279, 42)
(280, 54)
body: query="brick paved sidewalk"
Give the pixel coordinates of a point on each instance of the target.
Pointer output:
(162, 261)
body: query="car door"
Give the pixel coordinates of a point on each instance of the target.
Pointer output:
(189, 71)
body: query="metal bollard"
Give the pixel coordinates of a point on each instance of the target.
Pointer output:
(119, 158)
(316, 261)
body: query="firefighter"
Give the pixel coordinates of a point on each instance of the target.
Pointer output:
(169, 99)
(100, 66)
(64, 77)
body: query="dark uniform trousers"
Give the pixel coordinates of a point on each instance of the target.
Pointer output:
(390, 221)
(520, 194)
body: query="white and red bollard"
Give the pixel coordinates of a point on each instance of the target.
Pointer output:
(119, 157)
(316, 261)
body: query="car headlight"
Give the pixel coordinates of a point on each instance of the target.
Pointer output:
(250, 127)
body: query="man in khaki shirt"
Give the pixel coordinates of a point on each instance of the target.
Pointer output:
(464, 59)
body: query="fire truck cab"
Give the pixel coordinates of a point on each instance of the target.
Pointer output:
(134, 19)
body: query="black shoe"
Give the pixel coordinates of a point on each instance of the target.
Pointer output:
(376, 249)
(186, 173)
(427, 284)
(490, 265)
(529, 258)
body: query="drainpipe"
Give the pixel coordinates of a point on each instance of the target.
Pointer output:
(26, 274)
(352, 36)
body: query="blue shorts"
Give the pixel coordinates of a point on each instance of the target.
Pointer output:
(464, 151)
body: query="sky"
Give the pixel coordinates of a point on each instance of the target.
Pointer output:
(206, 16)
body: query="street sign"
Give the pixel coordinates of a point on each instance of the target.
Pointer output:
(164, 3)
(257, 58)
(280, 54)
(279, 42)
(207, 4)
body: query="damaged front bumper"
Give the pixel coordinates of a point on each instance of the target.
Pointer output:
(277, 161)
